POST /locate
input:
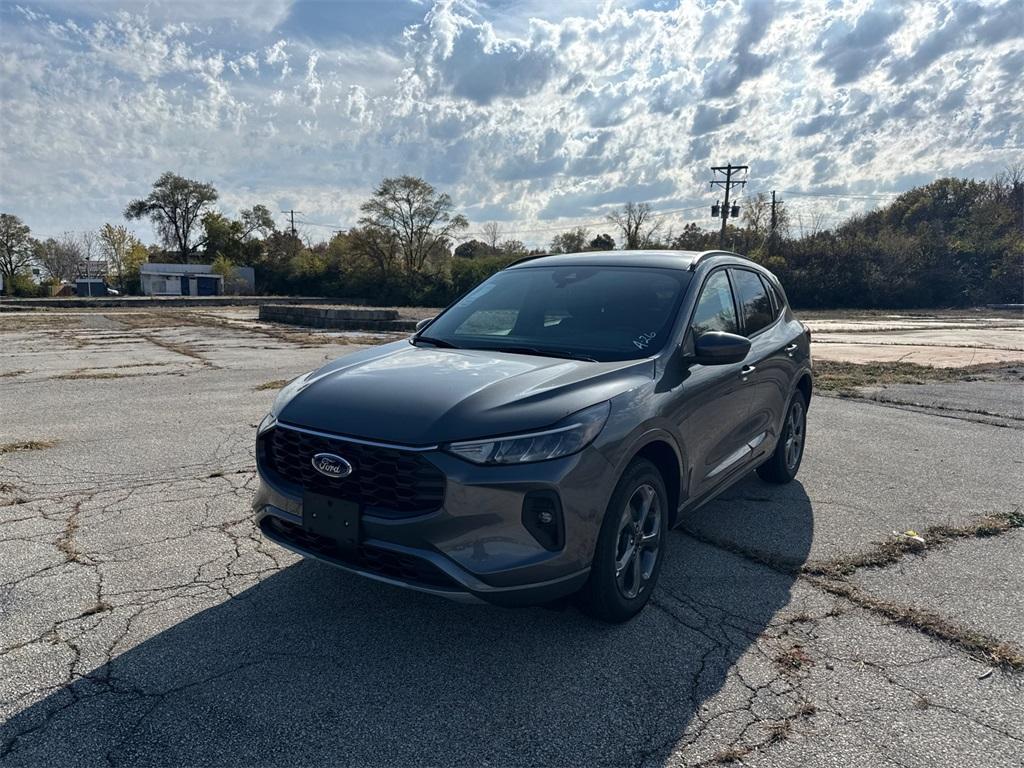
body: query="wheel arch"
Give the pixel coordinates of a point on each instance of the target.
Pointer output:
(805, 386)
(665, 454)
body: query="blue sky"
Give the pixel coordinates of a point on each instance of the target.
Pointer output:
(539, 115)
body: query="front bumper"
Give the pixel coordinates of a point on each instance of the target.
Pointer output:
(475, 547)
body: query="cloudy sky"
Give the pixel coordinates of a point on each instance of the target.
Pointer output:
(534, 113)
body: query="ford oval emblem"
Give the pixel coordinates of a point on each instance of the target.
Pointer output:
(331, 465)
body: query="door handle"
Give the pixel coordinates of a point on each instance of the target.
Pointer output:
(746, 370)
(791, 349)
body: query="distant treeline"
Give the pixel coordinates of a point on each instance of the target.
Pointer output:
(951, 243)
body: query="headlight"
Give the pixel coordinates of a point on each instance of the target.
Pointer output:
(569, 436)
(288, 391)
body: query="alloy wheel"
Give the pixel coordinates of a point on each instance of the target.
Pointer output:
(794, 444)
(638, 541)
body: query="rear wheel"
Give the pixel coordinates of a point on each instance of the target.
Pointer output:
(789, 451)
(630, 546)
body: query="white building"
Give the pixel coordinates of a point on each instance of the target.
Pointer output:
(180, 280)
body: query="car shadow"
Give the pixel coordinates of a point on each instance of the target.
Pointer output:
(314, 666)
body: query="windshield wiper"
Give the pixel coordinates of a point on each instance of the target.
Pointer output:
(436, 342)
(544, 353)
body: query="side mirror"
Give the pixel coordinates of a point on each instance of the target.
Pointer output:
(424, 323)
(720, 348)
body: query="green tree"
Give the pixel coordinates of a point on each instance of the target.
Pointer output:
(603, 242)
(16, 249)
(116, 245)
(175, 206)
(573, 241)
(472, 249)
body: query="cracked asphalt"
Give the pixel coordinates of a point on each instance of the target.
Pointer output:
(144, 621)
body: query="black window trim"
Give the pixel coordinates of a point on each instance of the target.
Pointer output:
(688, 330)
(739, 315)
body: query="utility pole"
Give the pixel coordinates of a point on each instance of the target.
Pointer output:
(292, 215)
(771, 237)
(727, 183)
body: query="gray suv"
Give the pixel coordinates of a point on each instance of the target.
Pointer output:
(540, 436)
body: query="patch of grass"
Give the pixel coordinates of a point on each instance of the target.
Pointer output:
(793, 659)
(894, 548)
(275, 384)
(93, 375)
(731, 754)
(12, 374)
(844, 378)
(989, 649)
(26, 445)
(101, 606)
(66, 542)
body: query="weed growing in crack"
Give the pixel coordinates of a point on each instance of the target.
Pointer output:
(275, 384)
(26, 445)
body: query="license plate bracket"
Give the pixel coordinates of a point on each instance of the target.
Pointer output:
(334, 518)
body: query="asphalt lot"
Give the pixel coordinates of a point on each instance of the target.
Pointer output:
(144, 621)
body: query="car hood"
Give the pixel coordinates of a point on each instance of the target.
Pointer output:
(416, 395)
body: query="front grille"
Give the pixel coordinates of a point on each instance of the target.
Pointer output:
(384, 562)
(386, 482)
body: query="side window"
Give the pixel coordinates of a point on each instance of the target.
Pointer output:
(715, 310)
(755, 306)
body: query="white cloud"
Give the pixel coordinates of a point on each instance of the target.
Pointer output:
(530, 120)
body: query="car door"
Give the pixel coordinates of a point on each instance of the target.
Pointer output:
(770, 365)
(711, 409)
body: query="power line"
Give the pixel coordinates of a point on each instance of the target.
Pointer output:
(879, 196)
(561, 227)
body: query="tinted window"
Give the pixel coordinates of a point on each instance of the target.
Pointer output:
(604, 313)
(715, 310)
(755, 306)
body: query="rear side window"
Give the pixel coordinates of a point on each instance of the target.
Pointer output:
(715, 310)
(755, 306)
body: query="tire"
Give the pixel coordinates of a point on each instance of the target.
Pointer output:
(789, 450)
(620, 584)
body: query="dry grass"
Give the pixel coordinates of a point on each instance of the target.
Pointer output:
(100, 607)
(846, 378)
(989, 649)
(66, 543)
(80, 374)
(275, 384)
(732, 754)
(794, 659)
(893, 549)
(12, 374)
(26, 445)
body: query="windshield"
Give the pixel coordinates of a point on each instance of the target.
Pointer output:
(589, 312)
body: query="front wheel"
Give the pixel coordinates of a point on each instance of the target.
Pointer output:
(630, 546)
(789, 451)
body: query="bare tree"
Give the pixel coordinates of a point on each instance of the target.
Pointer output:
(87, 242)
(416, 217)
(757, 217)
(492, 234)
(175, 206)
(811, 222)
(637, 223)
(15, 248)
(60, 257)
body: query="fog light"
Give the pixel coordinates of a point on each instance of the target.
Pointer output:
(542, 517)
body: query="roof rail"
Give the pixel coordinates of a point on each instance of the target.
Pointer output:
(708, 254)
